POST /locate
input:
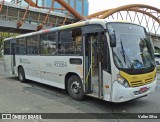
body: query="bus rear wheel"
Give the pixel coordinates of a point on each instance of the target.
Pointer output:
(75, 88)
(21, 75)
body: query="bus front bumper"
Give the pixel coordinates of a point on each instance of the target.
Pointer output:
(122, 94)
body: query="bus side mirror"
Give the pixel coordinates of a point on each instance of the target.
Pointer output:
(112, 40)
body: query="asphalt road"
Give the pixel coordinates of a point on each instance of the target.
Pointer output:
(34, 97)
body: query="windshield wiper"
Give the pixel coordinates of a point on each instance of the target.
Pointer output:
(125, 56)
(123, 52)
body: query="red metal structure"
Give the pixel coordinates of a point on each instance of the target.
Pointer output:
(1, 6)
(61, 2)
(135, 13)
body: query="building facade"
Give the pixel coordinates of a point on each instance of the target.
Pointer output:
(40, 2)
(81, 6)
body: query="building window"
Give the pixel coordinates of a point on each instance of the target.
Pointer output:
(7, 47)
(32, 45)
(21, 46)
(70, 42)
(48, 44)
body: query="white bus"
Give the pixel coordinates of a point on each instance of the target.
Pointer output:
(113, 61)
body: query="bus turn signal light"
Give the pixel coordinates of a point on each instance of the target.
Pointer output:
(106, 86)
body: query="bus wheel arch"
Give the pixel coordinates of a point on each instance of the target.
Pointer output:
(67, 76)
(21, 74)
(70, 79)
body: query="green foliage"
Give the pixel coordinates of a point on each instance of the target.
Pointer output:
(4, 35)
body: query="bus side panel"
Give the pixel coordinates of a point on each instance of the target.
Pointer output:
(50, 70)
(107, 81)
(32, 68)
(53, 69)
(8, 64)
(49, 74)
(30, 65)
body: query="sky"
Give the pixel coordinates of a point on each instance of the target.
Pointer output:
(99, 5)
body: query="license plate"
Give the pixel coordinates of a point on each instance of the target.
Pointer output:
(141, 90)
(144, 89)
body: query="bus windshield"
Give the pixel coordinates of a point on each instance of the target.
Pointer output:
(133, 47)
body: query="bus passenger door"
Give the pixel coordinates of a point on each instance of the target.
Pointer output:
(92, 65)
(13, 52)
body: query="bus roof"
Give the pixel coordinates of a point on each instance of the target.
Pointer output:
(77, 24)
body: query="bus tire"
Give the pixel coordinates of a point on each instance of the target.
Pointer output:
(75, 87)
(21, 75)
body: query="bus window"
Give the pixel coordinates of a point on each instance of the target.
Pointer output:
(105, 53)
(70, 42)
(32, 45)
(21, 46)
(7, 47)
(48, 44)
(92, 29)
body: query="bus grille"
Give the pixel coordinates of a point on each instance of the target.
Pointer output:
(141, 82)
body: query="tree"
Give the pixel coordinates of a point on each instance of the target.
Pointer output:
(4, 35)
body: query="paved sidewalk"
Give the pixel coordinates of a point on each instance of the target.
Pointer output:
(158, 75)
(1, 58)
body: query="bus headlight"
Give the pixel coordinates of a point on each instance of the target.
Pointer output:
(122, 81)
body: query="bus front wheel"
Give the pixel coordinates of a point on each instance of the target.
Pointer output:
(75, 88)
(21, 74)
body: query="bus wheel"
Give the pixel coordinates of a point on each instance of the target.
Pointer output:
(75, 88)
(21, 74)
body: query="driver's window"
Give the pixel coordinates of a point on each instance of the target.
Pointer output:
(105, 53)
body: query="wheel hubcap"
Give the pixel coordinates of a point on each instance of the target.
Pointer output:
(75, 86)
